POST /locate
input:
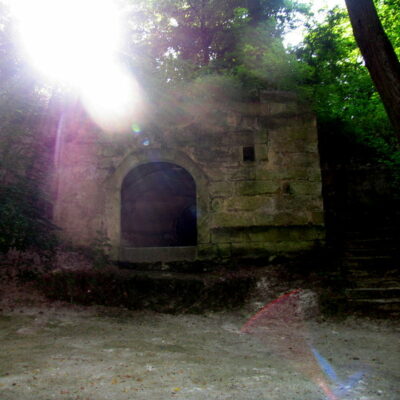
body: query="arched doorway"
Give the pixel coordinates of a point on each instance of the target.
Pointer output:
(158, 206)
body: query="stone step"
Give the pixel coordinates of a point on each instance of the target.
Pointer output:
(371, 237)
(368, 282)
(373, 293)
(372, 244)
(367, 258)
(375, 301)
(373, 232)
(377, 251)
(374, 263)
(368, 277)
(383, 274)
(380, 308)
(378, 301)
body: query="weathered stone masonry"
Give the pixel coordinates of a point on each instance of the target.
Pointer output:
(255, 167)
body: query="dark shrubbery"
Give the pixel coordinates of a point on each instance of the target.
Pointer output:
(23, 224)
(155, 291)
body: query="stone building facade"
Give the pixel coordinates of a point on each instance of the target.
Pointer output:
(204, 180)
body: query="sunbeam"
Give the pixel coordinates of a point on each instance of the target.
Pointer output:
(76, 43)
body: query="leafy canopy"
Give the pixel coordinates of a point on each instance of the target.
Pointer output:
(339, 83)
(187, 39)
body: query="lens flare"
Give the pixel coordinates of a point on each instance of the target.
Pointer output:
(112, 97)
(136, 128)
(283, 318)
(63, 37)
(76, 43)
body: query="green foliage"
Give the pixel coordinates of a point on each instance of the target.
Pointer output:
(22, 224)
(22, 202)
(340, 86)
(122, 288)
(241, 39)
(261, 61)
(389, 13)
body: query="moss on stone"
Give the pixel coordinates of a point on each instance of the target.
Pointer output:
(247, 188)
(306, 188)
(225, 219)
(249, 203)
(267, 234)
(221, 188)
(261, 152)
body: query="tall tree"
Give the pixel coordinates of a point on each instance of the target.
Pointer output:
(379, 56)
(191, 38)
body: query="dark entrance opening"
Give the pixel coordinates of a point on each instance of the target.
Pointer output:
(158, 207)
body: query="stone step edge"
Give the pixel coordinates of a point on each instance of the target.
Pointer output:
(351, 257)
(375, 301)
(375, 289)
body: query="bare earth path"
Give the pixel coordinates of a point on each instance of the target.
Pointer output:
(68, 353)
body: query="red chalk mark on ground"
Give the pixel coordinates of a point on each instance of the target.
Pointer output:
(280, 326)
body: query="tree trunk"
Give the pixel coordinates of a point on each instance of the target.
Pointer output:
(379, 56)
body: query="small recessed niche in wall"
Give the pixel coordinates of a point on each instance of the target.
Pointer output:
(249, 153)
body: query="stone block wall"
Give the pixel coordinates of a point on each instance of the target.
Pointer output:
(248, 207)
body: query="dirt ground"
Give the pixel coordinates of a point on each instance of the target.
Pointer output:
(58, 351)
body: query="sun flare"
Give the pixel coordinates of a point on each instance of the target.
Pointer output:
(64, 37)
(114, 103)
(76, 43)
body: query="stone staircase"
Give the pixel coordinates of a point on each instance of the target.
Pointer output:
(371, 266)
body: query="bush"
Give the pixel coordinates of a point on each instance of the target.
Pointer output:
(137, 290)
(23, 224)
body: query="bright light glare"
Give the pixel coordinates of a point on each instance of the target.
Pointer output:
(75, 42)
(63, 36)
(319, 8)
(113, 102)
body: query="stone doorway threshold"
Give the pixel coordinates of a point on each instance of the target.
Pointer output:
(155, 254)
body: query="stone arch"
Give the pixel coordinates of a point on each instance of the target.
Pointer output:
(158, 206)
(114, 183)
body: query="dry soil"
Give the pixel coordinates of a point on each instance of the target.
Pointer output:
(55, 351)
